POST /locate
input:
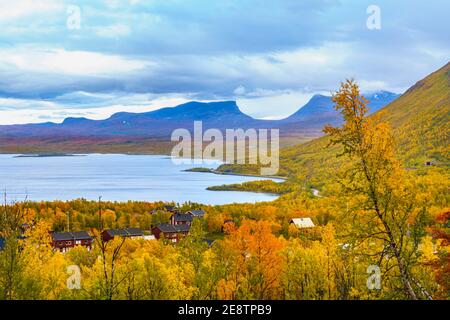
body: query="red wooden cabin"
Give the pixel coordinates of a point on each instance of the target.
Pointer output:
(64, 241)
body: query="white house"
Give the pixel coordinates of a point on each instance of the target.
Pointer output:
(302, 223)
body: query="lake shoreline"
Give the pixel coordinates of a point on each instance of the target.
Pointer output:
(167, 156)
(233, 174)
(120, 178)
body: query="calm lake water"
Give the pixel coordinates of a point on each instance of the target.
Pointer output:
(116, 178)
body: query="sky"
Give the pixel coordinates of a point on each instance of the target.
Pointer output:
(87, 58)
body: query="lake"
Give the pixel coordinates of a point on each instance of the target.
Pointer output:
(117, 177)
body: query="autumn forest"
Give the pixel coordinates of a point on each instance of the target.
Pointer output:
(381, 230)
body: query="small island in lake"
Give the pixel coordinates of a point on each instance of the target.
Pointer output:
(47, 155)
(200, 169)
(261, 186)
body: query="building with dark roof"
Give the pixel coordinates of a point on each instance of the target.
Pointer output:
(171, 232)
(179, 218)
(63, 241)
(196, 213)
(133, 233)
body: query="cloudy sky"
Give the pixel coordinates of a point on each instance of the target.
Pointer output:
(93, 58)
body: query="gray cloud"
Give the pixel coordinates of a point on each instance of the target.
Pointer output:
(208, 49)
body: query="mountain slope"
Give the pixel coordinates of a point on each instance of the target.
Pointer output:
(216, 112)
(420, 120)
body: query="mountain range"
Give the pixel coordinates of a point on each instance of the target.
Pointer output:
(419, 119)
(133, 128)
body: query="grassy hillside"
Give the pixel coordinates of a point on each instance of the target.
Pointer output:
(420, 120)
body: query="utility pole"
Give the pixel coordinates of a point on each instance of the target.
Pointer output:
(5, 213)
(4, 196)
(68, 221)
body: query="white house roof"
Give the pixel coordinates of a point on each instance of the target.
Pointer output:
(303, 222)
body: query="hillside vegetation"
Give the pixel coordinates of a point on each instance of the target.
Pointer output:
(420, 126)
(374, 213)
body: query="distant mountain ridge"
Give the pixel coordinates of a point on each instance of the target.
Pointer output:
(188, 111)
(321, 108)
(159, 124)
